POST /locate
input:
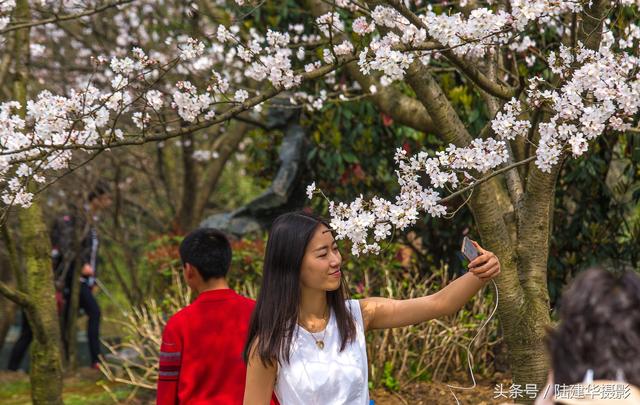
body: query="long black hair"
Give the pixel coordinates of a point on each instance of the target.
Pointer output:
(599, 328)
(275, 316)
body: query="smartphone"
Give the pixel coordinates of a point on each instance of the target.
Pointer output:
(468, 250)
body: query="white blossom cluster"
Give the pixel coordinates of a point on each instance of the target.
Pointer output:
(367, 222)
(202, 155)
(272, 62)
(311, 102)
(330, 23)
(55, 124)
(191, 49)
(6, 7)
(597, 91)
(57, 121)
(506, 124)
(602, 93)
(362, 27)
(391, 62)
(632, 33)
(189, 103)
(469, 36)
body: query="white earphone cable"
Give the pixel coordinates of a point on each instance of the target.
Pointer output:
(469, 350)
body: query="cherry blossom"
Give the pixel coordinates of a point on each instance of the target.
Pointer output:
(195, 78)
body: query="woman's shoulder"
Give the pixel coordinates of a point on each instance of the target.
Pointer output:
(356, 310)
(354, 304)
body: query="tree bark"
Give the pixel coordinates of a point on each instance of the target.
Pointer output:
(184, 220)
(523, 317)
(9, 272)
(46, 366)
(225, 146)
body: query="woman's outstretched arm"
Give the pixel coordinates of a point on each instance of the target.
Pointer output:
(260, 381)
(382, 313)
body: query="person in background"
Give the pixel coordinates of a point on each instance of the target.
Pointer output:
(596, 342)
(201, 351)
(74, 241)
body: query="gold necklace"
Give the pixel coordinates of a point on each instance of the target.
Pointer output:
(320, 343)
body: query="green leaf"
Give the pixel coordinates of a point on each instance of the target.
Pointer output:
(349, 157)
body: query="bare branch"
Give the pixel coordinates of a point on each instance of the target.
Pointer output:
(484, 179)
(403, 109)
(66, 17)
(14, 295)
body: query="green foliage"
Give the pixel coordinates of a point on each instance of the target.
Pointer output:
(159, 261)
(388, 381)
(236, 187)
(262, 163)
(246, 266)
(396, 357)
(596, 217)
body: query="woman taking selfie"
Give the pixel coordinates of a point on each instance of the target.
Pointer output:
(306, 340)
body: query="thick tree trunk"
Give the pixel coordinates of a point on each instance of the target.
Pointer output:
(46, 366)
(524, 317)
(527, 354)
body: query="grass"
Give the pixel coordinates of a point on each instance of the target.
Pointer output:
(84, 388)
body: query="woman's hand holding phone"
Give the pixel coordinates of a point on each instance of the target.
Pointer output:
(486, 266)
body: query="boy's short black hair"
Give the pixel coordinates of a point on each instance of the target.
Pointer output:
(208, 250)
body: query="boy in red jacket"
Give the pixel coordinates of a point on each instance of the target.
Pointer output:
(201, 352)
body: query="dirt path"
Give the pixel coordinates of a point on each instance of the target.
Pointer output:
(439, 394)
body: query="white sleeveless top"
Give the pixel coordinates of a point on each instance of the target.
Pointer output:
(328, 376)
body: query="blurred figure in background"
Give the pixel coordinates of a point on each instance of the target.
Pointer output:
(596, 342)
(74, 242)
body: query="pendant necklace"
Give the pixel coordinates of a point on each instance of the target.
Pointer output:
(320, 343)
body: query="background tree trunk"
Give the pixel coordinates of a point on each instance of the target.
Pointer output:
(11, 275)
(71, 324)
(46, 366)
(8, 314)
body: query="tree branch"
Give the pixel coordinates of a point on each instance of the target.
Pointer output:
(484, 179)
(16, 296)
(66, 17)
(403, 109)
(225, 145)
(470, 71)
(437, 105)
(161, 134)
